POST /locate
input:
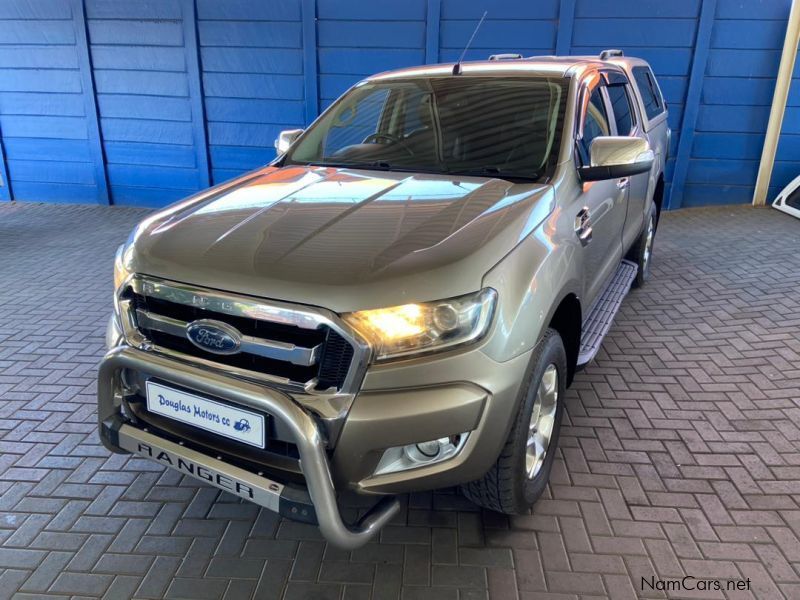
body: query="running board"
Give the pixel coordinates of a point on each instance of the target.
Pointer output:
(603, 311)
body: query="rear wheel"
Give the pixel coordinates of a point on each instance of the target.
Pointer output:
(521, 472)
(642, 251)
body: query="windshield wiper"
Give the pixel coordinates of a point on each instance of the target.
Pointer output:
(381, 165)
(494, 172)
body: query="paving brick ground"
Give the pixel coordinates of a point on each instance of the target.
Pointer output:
(680, 453)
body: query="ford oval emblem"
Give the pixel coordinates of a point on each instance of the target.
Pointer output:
(214, 336)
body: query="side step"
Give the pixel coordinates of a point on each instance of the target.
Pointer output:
(602, 313)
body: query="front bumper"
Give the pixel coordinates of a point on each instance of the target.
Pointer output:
(318, 505)
(423, 399)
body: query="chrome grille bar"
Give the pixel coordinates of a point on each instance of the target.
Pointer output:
(251, 345)
(230, 304)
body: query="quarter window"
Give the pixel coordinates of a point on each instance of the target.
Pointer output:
(651, 96)
(621, 105)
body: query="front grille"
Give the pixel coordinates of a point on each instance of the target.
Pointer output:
(328, 366)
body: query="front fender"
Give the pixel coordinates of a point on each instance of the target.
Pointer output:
(531, 281)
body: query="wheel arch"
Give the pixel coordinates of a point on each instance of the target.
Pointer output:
(658, 195)
(567, 320)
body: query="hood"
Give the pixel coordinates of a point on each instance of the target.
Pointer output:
(340, 238)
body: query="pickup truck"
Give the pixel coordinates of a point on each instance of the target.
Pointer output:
(397, 302)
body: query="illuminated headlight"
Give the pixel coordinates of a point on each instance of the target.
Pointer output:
(120, 271)
(412, 329)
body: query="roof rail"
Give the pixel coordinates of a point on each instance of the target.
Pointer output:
(605, 54)
(505, 56)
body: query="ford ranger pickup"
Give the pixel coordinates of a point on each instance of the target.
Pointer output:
(397, 302)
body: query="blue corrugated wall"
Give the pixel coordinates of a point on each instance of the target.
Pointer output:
(141, 102)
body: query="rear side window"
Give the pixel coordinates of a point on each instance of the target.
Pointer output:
(651, 96)
(621, 105)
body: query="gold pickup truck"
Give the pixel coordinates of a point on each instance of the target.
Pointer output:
(400, 299)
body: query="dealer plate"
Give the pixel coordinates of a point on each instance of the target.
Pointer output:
(223, 419)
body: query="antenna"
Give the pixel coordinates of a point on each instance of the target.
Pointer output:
(457, 66)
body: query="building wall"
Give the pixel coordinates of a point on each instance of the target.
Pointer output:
(140, 61)
(45, 119)
(743, 60)
(251, 58)
(138, 102)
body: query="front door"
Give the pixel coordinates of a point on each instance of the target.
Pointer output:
(601, 216)
(619, 95)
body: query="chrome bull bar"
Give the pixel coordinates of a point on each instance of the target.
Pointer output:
(119, 436)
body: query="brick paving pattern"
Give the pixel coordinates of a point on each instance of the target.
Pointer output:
(680, 453)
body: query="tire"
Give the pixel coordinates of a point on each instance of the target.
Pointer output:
(507, 487)
(642, 251)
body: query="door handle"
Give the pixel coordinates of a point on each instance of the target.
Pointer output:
(583, 226)
(623, 183)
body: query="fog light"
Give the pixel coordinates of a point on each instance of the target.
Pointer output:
(420, 454)
(425, 451)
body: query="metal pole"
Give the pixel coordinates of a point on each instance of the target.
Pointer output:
(782, 85)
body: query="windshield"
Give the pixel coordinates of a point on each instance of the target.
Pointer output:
(483, 126)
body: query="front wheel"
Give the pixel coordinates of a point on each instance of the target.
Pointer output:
(514, 483)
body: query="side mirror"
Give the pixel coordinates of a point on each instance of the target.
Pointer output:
(286, 138)
(612, 157)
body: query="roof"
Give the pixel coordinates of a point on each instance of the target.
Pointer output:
(543, 66)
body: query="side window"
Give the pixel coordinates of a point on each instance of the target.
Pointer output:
(651, 96)
(621, 106)
(595, 124)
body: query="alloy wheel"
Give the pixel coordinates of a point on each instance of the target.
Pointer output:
(648, 243)
(543, 418)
